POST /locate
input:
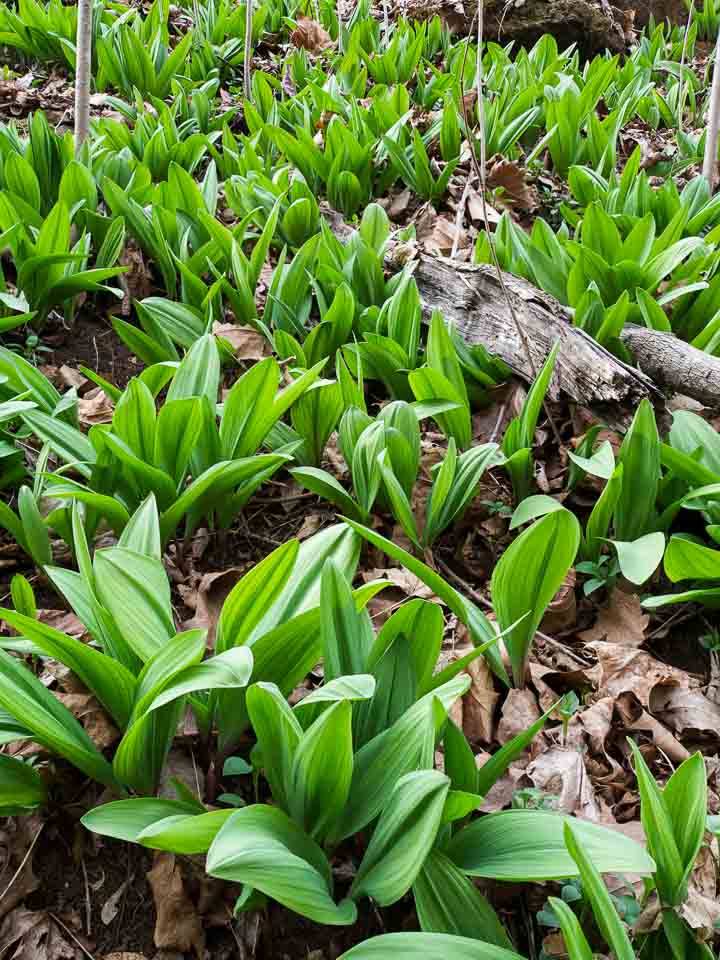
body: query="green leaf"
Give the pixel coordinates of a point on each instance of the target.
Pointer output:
(600, 464)
(403, 837)
(478, 624)
(527, 577)
(322, 770)
(185, 834)
(687, 560)
(135, 591)
(408, 745)
(448, 902)
(51, 724)
(110, 681)
(126, 819)
(533, 507)
(575, 940)
(261, 847)
(640, 559)
(529, 846)
(640, 457)
(225, 671)
(427, 946)
(278, 733)
(21, 786)
(597, 893)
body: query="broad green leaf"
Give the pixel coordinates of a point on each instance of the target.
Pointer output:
(52, 725)
(110, 681)
(261, 847)
(134, 589)
(527, 577)
(403, 837)
(640, 458)
(448, 902)
(185, 834)
(529, 845)
(21, 786)
(640, 559)
(427, 946)
(322, 770)
(126, 819)
(687, 560)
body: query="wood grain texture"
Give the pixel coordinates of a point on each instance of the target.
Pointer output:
(472, 299)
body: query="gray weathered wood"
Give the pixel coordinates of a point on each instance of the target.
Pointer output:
(472, 299)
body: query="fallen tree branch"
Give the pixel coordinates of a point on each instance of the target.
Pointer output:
(472, 299)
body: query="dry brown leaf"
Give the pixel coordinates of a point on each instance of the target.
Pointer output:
(111, 907)
(71, 377)
(177, 924)
(501, 793)
(701, 909)
(34, 935)
(510, 177)
(560, 771)
(437, 234)
(95, 407)
(63, 621)
(310, 35)
(246, 342)
(519, 712)
(561, 612)
(310, 525)
(16, 838)
(685, 709)
(636, 719)
(208, 599)
(621, 622)
(399, 204)
(124, 955)
(410, 585)
(137, 283)
(624, 669)
(478, 715)
(98, 726)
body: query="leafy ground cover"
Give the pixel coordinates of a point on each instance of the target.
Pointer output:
(322, 634)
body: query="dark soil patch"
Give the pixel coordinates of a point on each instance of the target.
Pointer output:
(91, 342)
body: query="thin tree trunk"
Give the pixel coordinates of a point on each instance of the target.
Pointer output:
(83, 67)
(247, 66)
(711, 144)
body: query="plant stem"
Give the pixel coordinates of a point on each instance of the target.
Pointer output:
(83, 48)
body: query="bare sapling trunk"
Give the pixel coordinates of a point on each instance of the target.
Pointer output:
(83, 67)
(247, 66)
(713, 127)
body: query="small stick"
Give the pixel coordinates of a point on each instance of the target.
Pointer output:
(23, 862)
(711, 144)
(247, 66)
(83, 55)
(681, 98)
(459, 216)
(69, 932)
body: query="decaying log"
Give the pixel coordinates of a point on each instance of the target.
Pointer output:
(471, 298)
(594, 25)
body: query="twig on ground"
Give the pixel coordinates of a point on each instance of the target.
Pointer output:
(22, 862)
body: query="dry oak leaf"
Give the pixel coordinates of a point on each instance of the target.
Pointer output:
(624, 669)
(177, 924)
(478, 714)
(95, 407)
(561, 772)
(246, 342)
(511, 177)
(211, 593)
(98, 726)
(519, 712)
(622, 622)
(684, 709)
(310, 35)
(16, 839)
